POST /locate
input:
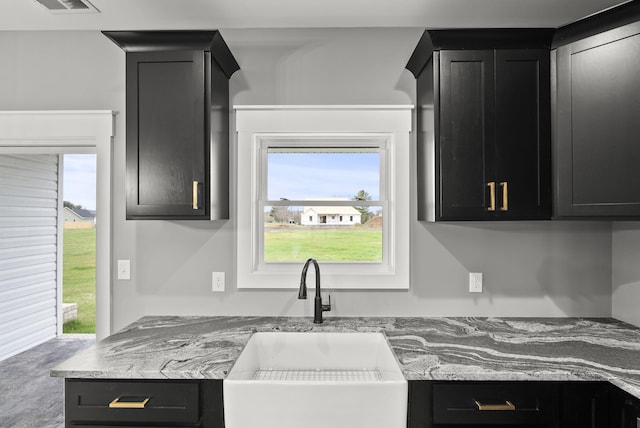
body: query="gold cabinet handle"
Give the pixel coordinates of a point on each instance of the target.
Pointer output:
(507, 405)
(117, 404)
(492, 195)
(195, 195)
(505, 196)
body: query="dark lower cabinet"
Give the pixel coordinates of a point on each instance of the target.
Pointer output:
(483, 404)
(585, 405)
(624, 410)
(457, 404)
(143, 403)
(420, 406)
(432, 404)
(500, 403)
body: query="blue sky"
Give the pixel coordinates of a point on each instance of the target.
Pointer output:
(299, 176)
(295, 176)
(79, 180)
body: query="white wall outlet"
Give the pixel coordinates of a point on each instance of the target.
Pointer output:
(217, 282)
(475, 282)
(124, 269)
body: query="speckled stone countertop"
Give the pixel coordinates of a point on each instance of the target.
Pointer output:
(551, 349)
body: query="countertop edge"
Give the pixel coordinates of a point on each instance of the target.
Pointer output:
(427, 349)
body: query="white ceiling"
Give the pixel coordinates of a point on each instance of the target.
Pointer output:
(220, 14)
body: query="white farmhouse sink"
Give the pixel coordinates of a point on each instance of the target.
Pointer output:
(316, 380)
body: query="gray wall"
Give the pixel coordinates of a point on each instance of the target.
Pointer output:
(530, 268)
(626, 271)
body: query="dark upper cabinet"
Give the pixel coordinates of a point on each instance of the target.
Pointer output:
(597, 116)
(167, 154)
(465, 143)
(177, 115)
(484, 136)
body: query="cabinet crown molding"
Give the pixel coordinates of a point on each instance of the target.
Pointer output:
(476, 39)
(609, 19)
(149, 41)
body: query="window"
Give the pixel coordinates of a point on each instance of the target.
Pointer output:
(328, 178)
(301, 173)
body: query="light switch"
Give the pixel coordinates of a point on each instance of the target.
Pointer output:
(124, 269)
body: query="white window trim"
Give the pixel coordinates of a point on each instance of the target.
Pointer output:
(256, 124)
(58, 132)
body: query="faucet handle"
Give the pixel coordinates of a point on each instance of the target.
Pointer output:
(326, 308)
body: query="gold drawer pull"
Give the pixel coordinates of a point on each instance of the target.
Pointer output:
(195, 195)
(492, 195)
(117, 404)
(505, 196)
(508, 405)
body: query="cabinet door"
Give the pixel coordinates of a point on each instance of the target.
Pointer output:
(131, 403)
(624, 409)
(465, 134)
(213, 410)
(585, 405)
(598, 123)
(523, 134)
(493, 404)
(167, 155)
(420, 411)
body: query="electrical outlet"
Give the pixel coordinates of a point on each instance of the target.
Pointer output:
(475, 282)
(124, 269)
(217, 282)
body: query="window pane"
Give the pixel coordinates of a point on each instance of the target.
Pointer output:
(326, 233)
(320, 173)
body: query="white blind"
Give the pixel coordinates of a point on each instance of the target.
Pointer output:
(28, 251)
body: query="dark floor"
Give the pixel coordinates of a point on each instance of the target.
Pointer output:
(29, 397)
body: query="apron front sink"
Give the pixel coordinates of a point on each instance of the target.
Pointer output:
(314, 380)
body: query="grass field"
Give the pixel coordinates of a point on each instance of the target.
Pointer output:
(324, 243)
(79, 278)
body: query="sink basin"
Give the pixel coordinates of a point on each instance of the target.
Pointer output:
(314, 380)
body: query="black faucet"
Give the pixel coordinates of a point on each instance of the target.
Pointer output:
(319, 308)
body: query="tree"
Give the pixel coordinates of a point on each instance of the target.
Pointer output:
(72, 206)
(363, 195)
(281, 214)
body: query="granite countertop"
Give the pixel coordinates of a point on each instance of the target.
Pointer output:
(551, 349)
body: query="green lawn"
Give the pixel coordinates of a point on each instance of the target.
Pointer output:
(79, 278)
(344, 243)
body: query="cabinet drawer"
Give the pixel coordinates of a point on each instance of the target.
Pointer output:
(150, 402)
(499, 403)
